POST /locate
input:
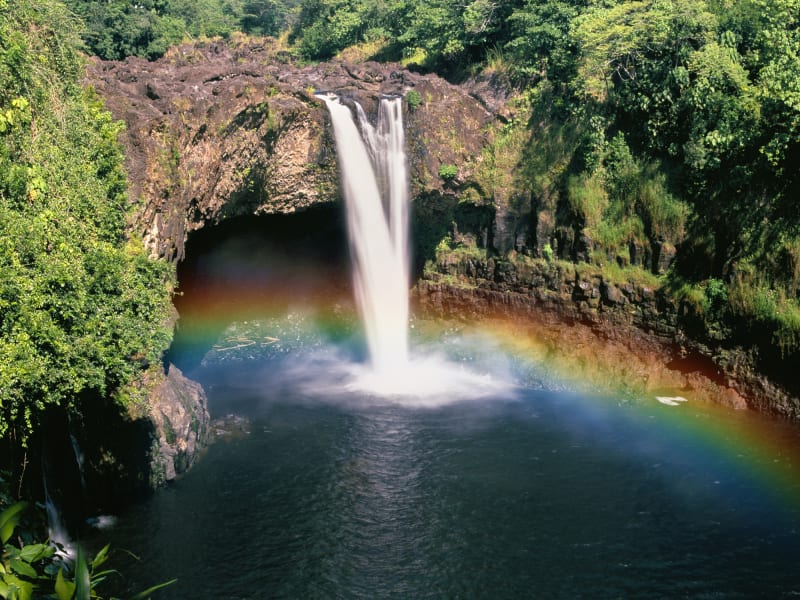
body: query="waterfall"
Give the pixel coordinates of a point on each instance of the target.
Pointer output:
(374, 177)
(375, 184)
(55, 524)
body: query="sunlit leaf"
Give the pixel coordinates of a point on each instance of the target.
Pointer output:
(83, 586)
(9, 519)
(22, 568)
(64, 589)
(17, 588)
(100, 557)
(144, 595)
(33, 552)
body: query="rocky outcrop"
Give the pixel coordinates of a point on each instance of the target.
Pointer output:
(630, 328)
(179, 411)
(216, 130)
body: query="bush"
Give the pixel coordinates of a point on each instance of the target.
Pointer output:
(716, 298)
(413, 99)
(80, 305)
(448, 172)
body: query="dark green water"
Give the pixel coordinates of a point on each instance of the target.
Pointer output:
(538, 493)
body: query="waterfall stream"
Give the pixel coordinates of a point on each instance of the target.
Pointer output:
(374, 178)
(375, 185)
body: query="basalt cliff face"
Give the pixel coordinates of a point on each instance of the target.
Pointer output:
(617, 332)
(220, 130)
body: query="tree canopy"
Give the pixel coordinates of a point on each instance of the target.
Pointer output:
(82, 307)
(115, 29)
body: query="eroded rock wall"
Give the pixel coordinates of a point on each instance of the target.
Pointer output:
(215, 130)
(179, 409)
(634, 329)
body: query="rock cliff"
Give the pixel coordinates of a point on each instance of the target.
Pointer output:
(632, 330)
(217, 130)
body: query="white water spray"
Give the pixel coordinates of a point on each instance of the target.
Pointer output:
(375, 185)
(374, 173)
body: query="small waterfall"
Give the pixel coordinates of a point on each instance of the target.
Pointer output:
(375, 185)
(79, 458)
(57, 530)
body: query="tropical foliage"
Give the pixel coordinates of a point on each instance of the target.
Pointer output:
(650, 120)
(82, 307)
(31, 569)
(115, 29)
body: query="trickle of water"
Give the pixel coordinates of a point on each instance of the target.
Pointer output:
(375, 184)
(57, 530)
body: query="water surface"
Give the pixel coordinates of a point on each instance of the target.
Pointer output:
(537, 492)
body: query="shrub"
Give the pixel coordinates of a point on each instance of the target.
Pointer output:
(413, 99)
(716, 298)
(448, 172)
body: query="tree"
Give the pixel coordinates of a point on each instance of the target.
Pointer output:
(82, 307)
(541, 44)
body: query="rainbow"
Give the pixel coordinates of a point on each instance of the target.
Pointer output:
(757, 447)
(761, 448)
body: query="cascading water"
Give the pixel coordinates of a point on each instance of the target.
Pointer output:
(55, 524)
(374, 173)
(375, 185)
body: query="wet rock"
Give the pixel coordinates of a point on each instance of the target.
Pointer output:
(611, 295)
(230, 426)
(583, 247)
(640, 255)
(179, 412)
(663, 255)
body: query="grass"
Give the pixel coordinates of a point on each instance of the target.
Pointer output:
(588, 198)
(414, 56)
(363, 51)
(771, 308)
(610, 271)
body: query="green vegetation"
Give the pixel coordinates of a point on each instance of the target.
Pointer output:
(650, 124)
(115, 29)
(413, 99)
(30, 569)
(448, 172)
(83, 309)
